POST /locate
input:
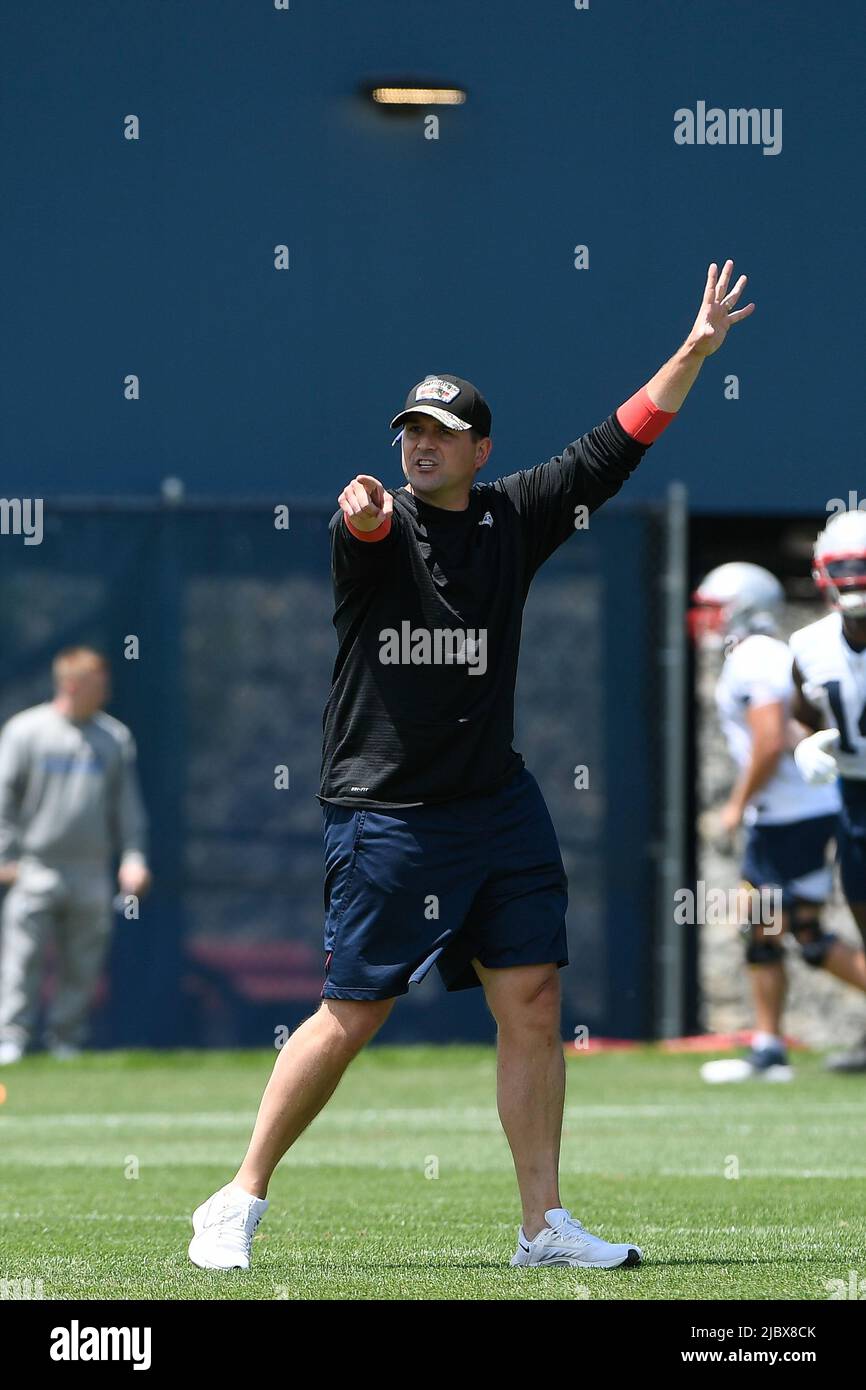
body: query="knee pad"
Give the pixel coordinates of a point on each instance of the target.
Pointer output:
(760, 950)
(813, 941)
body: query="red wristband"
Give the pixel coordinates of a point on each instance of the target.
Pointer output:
(643, 420)
(378, 534)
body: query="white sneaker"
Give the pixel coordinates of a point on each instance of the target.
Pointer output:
(564, 1241)
(10, 1052)
(728, 1069)
(224, 1227)
(766, 1064)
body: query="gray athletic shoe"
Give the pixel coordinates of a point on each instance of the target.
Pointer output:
(564, 1241)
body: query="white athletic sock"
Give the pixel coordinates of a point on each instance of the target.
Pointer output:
(763, 1040)
(243, 1192)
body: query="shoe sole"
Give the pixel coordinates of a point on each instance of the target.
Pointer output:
(202, 1263)
(631, 1261)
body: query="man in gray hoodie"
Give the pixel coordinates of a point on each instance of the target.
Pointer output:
(69, 802)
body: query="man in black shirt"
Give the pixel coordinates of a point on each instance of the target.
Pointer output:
(438, 845)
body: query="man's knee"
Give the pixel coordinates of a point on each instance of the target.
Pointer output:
(525, 997)
(354, 1022)
(813, 941)
(762, 948)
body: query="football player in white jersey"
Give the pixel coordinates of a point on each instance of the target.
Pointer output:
(788, 823)
(830, 680)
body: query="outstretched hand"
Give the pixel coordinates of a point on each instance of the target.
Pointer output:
(717, 311)
(365, 502)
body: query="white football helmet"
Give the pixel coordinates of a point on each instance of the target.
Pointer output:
(839, 563)
(735, 600)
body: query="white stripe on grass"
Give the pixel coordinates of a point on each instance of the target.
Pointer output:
(747, 1171)
(276, 1214)
(451, 1116)
(388, 1158)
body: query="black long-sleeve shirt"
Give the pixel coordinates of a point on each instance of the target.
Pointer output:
(397, 733)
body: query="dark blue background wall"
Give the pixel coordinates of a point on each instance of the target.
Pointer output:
(155, 257)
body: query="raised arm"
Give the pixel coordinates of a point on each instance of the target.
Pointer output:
(646, 414)
(552, 496)
(672, 382)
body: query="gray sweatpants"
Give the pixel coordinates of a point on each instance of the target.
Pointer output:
(71, 905)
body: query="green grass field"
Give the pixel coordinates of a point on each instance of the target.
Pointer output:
(645, 1154)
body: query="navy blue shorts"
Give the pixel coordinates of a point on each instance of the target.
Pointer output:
(480, 877)
(792, 857)
(852, 840)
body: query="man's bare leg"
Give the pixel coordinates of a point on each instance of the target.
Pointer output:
(767, 979)
(305, 1076)
(530, 1084)
(846, 962)
(768, 996)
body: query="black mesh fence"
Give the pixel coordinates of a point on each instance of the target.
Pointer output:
(235, 650)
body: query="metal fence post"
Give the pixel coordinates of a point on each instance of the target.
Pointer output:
(670, 955)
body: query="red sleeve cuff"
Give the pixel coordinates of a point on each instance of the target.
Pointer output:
(379, 534)
(643, 420)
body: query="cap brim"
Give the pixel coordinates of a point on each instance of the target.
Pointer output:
(444, 416)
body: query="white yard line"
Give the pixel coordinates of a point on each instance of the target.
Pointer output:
(452, 1115)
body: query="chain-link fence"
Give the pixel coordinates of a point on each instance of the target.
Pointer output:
(234, 656)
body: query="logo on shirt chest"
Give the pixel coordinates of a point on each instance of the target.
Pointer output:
(80, 760)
